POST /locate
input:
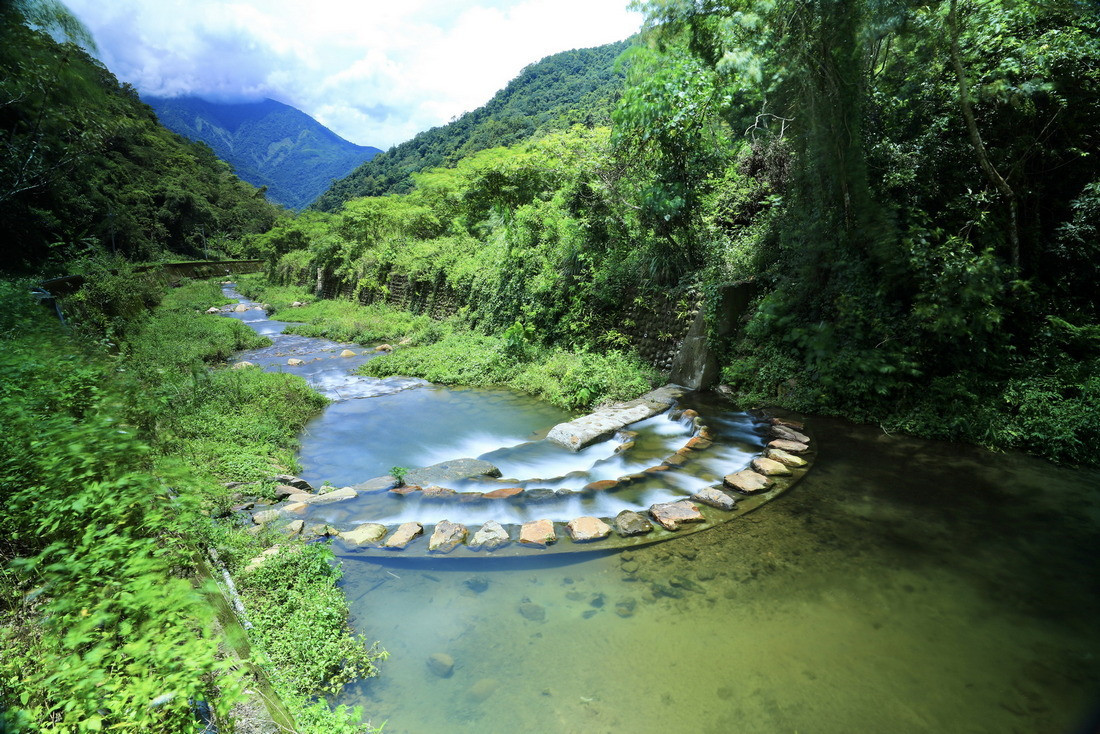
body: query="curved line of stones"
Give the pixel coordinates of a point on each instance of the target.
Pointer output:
(782, 457)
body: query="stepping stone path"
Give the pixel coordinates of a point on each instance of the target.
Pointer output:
(782, 458)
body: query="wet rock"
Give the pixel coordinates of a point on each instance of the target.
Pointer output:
(295, 508)
(657, 469)
(538, 532)
(285, 491)
(404, 535)
(714, 498)
(240, 308)
(265, 516)
(532, 611)
(435, 492)
(317, 530)
(347, 353)
(770, 467)
(676, 459)
(293, 528)
(789, 434)
(476, 584)
(446, 536)
(796, 425)
(295, 362)
(794, 447)
(405, 489)
(365, 534)
(491, 535)
(747, 481)
(784, 458)
(213, 309)
(243, 364)
(601, 486)
(625, 607)
(699, 443)
(540, 495)
(378, 484)
(336, 495)
(450, 472)
(604, 423)
(671, 515)
(584, 529)
(624, 446)
(383, 348)
(441, 664)
(503, 493)
(292, 481)
(629, 523)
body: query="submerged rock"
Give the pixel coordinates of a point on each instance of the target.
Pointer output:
(583, 529)
(770, 467)
(365, 534)
(491, 535)
(476, 584)
(441, 664)
(446, 536)
(747, 481)
(532, 611)
(483, 689)
(538, 532)
(404, 535)
(671, 515)
(714, 498)
(629, 523)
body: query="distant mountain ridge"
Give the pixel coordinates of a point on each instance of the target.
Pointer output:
(268, 144)
(571, 87)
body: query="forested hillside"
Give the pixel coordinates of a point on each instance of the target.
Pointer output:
(268, 144)
(85, 166)
(572, 87)
(914, 193)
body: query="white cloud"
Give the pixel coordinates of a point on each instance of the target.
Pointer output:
(375, 72)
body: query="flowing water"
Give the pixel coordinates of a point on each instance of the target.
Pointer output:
(902, 586)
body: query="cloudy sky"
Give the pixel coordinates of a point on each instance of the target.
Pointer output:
(375, 71)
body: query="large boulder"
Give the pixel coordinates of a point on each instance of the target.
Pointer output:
(446, 536)
(583, 529)
(671, 515)
(491, 535)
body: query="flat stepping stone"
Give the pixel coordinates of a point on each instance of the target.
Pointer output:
(491, 535)
(603, 485)
(437, 492)
(446, 536)
(784, 458)
(584, 529)
(404, 535)
(789, 434)
(365, 534)
(629, 523)
(770, 467)
(715, 498)
(793, 447)
(378, 484)
(587, 430)
(448, 472)
(796, 425)
(538, 532)
(747, 481)
(671, 515)
(698, 444)
(504, 493)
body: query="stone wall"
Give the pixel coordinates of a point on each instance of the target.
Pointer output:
(654, 325)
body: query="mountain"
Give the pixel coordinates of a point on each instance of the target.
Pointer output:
(268, 144)
(568, 88)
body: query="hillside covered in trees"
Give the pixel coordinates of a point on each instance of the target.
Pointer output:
(85, 166)
(268, 144)
(572, 87)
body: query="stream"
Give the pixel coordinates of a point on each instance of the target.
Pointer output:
(902, 586)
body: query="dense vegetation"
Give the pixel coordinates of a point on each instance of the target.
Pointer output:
(912, 189)
(112, 469)
(84, 165)
(572, 87)
(270, 145)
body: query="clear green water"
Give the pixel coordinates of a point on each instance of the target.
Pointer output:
(903, 586)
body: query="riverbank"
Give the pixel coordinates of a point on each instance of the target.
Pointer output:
(116, 468)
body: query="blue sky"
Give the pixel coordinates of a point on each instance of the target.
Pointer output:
(376, 72)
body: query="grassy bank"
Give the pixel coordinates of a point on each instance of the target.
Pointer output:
(113, 468)
(452, 352)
